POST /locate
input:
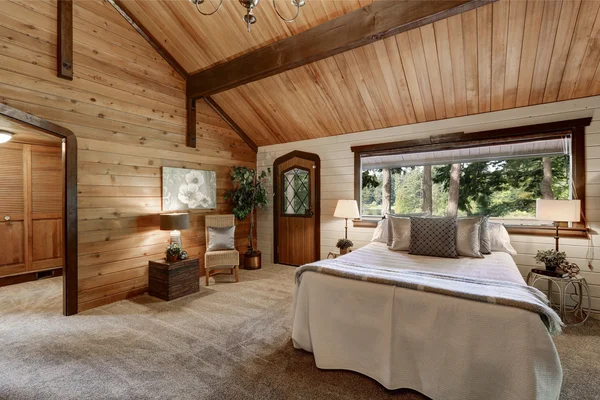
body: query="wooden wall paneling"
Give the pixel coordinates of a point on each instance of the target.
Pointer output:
(415, 43)
(590, 62)
(484, 56)
(399, 77)
(433, 70)
(442, 41)
(470, 50)
(569, 13)
(581, 36)
(65, 39)
(531, 35)
(545, 46)
(27, 202)
(499, 44)
(455, 31)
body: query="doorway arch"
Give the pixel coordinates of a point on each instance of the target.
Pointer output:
(69, 160)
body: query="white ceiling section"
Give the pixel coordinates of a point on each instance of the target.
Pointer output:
(538, 148)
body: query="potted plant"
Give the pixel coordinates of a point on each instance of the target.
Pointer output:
(173, 251)
(344, 245)
(248, 194)
(552, 259)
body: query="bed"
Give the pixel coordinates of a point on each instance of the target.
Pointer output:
(441, 346)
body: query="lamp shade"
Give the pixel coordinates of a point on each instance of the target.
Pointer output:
(558, 210)
(174, 222)
(346, 209)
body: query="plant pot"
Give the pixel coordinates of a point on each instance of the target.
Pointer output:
(172, 258)
(344, 251)
(550, 267)
(252, 261)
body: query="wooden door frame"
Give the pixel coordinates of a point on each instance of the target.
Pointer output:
(317, 206)
(69, 160)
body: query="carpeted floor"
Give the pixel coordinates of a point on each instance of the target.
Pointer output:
(230, 341)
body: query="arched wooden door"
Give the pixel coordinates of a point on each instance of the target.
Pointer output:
(297, 208)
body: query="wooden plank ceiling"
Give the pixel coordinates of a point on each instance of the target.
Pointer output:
(509, 54)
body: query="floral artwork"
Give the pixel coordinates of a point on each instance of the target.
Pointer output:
(188, 189)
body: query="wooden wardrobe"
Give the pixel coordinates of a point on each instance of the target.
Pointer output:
(31, 208)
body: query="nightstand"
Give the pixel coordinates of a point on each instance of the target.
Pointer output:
(579, 313)
(171, 280)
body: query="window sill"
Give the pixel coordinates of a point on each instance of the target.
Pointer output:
(576, 233)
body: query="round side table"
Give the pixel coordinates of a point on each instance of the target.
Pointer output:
(580, 314)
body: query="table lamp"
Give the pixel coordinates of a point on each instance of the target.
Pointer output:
(174, 223)
(346, 209)
(558, 211)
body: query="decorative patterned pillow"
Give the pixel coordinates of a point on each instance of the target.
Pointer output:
(431, 236)
(500, 239)
(400, 231)
(485, 243)
(381, 231)
(467, 237)
(221, 238)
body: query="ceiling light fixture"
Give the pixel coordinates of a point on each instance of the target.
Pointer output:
(5, 136)
(250, 5)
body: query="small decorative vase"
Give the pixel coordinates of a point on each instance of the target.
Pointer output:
(253, 261)
(345, 251)
(172, 257)
(550, 267)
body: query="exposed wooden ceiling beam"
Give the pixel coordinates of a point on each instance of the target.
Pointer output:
(65, 39)
(231, 123)
(137, 25)
(374, 22)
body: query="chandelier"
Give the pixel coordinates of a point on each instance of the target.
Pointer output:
(249, 18)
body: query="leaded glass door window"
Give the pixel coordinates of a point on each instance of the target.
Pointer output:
(296, 192)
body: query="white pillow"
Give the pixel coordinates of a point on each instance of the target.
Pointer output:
(399, 229)
(381, 232)
(467, 237)
(500, 239)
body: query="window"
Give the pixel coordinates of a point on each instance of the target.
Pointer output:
(296, 192)
(501, 181)
(497, 173)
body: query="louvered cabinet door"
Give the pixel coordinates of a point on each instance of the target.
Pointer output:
(46, 207)
(13, 239)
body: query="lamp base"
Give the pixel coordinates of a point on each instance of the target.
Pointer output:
(176, 238)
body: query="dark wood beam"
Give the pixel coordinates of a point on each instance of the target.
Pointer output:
(374, 22)
(65, 39)
(136, 24)
(231, 123)
(190, 132)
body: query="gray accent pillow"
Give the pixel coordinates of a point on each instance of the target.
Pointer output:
(467, 237)
(431, 236)
(400, 233)
(221, 238)
(485, 242)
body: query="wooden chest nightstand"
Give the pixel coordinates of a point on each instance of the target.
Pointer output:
(169, 281)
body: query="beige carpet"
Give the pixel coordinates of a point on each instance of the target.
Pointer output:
(230, 341)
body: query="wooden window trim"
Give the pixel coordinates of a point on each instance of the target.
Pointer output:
(573, 127)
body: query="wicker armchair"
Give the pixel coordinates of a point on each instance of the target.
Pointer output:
(218, 262)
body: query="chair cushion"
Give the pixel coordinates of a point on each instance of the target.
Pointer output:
(221, 238)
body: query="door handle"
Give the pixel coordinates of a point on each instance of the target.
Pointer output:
(310, 212)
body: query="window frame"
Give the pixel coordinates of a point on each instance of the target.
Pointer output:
(461, 140)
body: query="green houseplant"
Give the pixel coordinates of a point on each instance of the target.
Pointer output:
(552, 259)
(248, 194)
(344, 245)
(173, 251)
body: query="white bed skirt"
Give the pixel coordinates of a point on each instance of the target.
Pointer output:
(443, 347)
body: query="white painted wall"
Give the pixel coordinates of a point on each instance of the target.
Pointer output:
(337, 177)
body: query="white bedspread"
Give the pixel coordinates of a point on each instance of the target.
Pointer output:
(444, 347)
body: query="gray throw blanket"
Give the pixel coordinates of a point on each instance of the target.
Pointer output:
(483, 290)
